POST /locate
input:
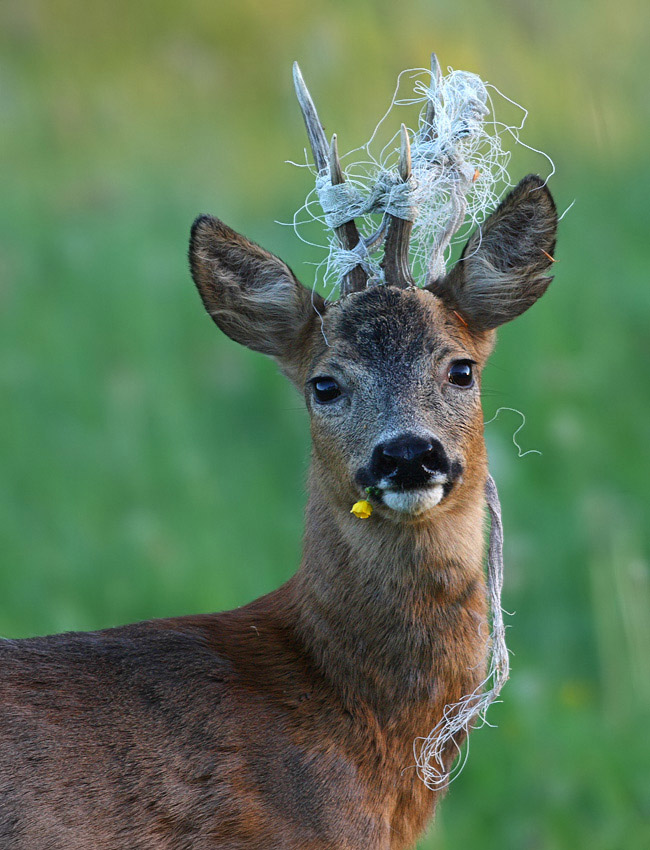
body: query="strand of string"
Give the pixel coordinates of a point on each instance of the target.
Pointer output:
(520, 452)
(444, 743)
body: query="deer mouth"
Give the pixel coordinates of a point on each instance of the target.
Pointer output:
(416, 500)
(417, 496)
(410, 488)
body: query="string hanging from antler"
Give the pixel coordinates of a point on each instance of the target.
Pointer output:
(450, 168)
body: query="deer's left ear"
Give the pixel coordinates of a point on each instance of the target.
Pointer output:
(250, 294)
(502, 270)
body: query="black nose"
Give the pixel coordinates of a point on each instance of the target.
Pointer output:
(409, 460)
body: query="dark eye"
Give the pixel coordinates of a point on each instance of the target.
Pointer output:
(325, 390)
(460, 373)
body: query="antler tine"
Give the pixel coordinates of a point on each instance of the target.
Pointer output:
(404, 154)
(336, 172)
(315, 132)
(430, 113)
(396, 266)
(436, 70)
(328, 163)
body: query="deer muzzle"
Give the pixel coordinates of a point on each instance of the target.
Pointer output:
(410, 473)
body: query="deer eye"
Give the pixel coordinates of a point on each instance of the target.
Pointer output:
(325, 390)
(460, 373)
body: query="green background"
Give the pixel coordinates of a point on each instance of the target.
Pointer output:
(150, 467)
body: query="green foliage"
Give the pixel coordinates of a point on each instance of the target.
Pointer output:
(133, 433)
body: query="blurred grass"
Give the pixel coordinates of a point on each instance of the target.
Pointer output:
(133, 433)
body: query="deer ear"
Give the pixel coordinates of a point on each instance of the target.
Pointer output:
(501, 272)
(251, 295)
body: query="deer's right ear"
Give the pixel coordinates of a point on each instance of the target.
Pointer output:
(251, 295)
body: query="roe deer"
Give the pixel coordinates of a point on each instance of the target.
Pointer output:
(289, 723)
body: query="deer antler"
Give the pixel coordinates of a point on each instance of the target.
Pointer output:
(391, 194)
(328, 165)
(471, 112)
(434, 172)
(428, 131)
(395, 264)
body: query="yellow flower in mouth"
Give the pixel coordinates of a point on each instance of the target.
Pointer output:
(362, 509)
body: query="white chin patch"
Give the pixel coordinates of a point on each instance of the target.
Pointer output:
(413, 501)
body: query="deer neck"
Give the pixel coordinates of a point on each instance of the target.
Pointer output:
(394, 611)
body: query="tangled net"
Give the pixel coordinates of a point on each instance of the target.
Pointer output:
(459, 173)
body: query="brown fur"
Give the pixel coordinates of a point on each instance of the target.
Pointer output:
(288, 723)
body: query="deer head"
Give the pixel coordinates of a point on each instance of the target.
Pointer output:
(390, 372)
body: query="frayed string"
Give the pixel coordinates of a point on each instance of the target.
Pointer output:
(566, 210)
(342, 202)
(520, 452)
(433, 752)
(459, 172)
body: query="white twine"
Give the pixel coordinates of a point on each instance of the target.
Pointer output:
(457, 164)
(342, 202)
(395, 196)
(520, 451)
(346, 260)
(459, 172)
(469, 712)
